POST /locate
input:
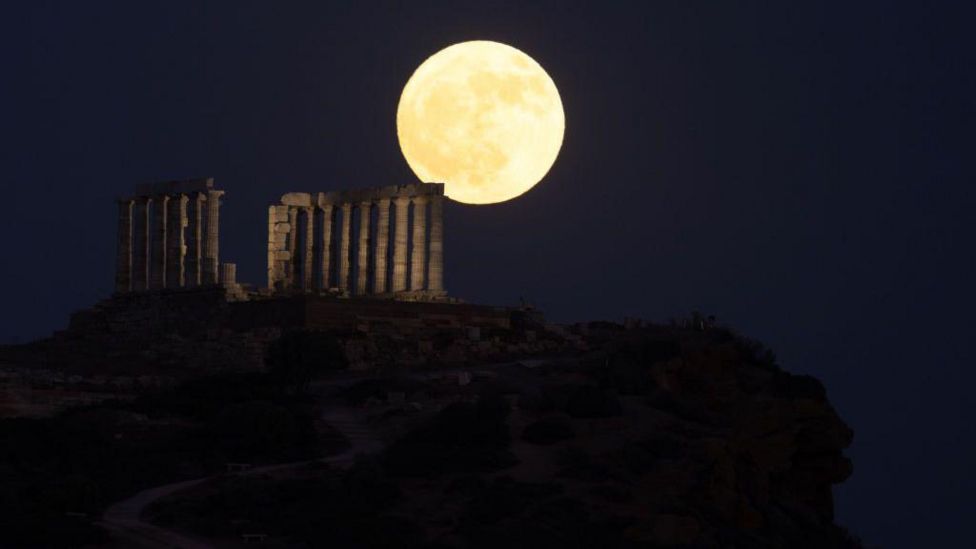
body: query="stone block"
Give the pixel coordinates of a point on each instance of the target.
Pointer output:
(282, 227)
(296, 199)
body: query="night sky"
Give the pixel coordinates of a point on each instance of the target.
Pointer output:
(802, 173)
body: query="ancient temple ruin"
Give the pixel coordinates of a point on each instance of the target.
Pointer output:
(340, 242)
(169, 237)
(364, 265)
(382, 242)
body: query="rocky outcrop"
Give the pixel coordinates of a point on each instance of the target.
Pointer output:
(728, 449)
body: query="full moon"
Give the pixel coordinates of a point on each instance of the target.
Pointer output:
(483, 118)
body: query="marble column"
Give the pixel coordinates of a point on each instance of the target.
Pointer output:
(362, 249)
(175, 240)
(381, 245)
(194, 240)
(279, 257)
(140, 249)
(211, 246)
(291, 278)
(228, 274)
(309, 255)
(157, 272)
(123, 254)
(326, 246)
(344, 237)
(400, 243)
(435, 280)
(418, 257)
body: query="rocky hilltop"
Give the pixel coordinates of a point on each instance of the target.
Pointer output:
(486, 427)
(680, 435)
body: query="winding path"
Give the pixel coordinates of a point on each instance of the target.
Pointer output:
(124, 521)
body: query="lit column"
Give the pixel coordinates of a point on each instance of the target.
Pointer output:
(435, 281)
(157, 274)
(308, 257)
(194, 243)
(175, 240)
(291, 278)
(326, 245)
(344, 246)
(279, 258)
(362, 264)
(123, 254)
(418, 258)
(400, 244)
(140, 251)
(211, 247)
(382, 242)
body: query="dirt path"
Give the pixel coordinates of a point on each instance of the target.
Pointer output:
(124, 518)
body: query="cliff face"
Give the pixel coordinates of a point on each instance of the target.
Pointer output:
(664, 436)
(680, 435)
(658, 436)
(728, 448)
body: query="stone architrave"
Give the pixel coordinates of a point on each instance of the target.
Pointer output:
(327, 219)
(123, 255)
(435, 274)
(400, 243)
(381, 245)
(175, 240)
(211, 246)
(157, 274)
(418, 256)
(345, 236)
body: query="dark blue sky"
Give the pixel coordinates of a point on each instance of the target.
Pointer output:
(802, 172)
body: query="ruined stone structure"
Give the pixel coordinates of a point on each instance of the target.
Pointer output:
(340, 242)
(364, 265)
(169, 237)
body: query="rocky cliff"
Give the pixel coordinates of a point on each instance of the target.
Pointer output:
(681, 435)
